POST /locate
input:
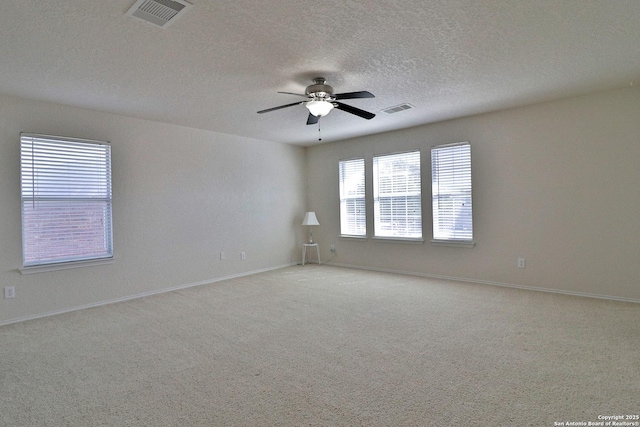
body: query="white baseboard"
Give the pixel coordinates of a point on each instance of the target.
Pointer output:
(141, 295)
(487, 282)
(359, 267)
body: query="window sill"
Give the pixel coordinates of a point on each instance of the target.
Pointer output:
(351, 237)
(65, 265)
(412, 241)
(455, 243)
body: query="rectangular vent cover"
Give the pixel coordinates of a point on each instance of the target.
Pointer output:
(159, 12)
(398, 108)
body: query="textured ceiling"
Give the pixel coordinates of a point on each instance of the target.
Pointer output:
(224, 60)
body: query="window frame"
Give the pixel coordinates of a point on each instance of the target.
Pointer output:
(462, 189)
(65, 166)
(392, 235)
(358, 198)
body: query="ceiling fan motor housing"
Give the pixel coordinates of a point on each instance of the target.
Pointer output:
(320, 89)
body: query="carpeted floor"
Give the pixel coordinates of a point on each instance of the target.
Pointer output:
(326, 346)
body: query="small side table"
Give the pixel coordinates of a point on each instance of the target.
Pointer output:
(305, 247)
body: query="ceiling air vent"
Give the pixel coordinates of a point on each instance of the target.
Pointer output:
(397, 108)
(159, 12)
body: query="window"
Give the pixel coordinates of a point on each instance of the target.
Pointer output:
(397, 195)
(353, 218)
(66, 199)
(451, 192)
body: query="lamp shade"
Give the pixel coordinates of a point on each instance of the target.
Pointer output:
(319, 108)
(310, 219)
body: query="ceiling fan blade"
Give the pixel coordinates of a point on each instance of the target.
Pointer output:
(296, 94)
(282, 106)
(312, 120)
(353, 95)
(353, 110)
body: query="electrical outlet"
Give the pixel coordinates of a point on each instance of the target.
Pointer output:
(332, 248)
(243, 256)
(9, 292)
(223, 255)
(521, 263)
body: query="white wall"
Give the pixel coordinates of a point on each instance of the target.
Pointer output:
(557, 183)
(180, 196)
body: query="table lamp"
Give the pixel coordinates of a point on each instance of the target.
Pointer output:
(310, 219)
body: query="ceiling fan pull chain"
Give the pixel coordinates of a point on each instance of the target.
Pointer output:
(319, 134)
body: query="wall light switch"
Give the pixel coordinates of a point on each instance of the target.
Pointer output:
(521, 263)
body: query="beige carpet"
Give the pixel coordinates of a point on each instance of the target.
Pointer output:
(326, 346)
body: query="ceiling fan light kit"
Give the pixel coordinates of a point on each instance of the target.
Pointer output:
(319, 108)
(321, 101)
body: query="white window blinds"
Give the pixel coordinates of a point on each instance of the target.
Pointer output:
(353, 219)
(66, 199)
(397, 195)
(451, 192)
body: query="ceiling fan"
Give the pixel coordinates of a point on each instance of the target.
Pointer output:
(321, 100)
